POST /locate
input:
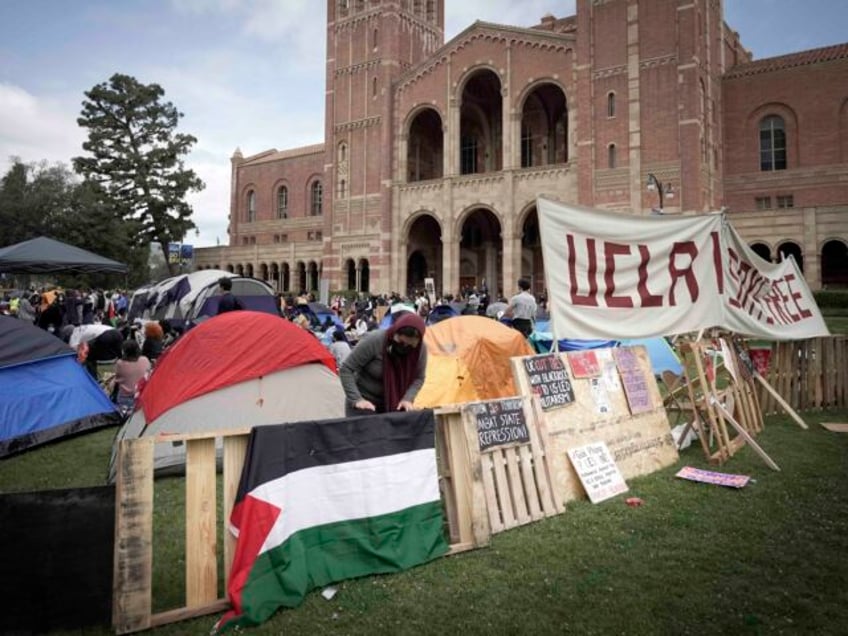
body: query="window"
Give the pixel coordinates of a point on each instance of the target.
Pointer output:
(284, 238)
(468, 155)
(772, 144)
(342, 189)
(319, 235)
(431, 10)
(374, 38)
(374, 87)
(762, 203)
(245, 241)
(610, 104)
(253, 240)
(251, 206)
(611, 157)
(317, 198)
(785, 201)
(283, 202)
(276, 238)
(526, 147)
(342, 152)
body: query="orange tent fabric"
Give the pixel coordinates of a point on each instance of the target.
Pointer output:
(468, 360)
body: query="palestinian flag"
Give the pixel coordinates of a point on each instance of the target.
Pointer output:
(323, 501)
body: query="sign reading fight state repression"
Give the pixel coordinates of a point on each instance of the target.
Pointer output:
(500, 422)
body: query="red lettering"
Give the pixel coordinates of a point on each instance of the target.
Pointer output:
(717, 263)
(610, 250)
(683, 248)
(795, 295)
(590, 299)
(646, 298)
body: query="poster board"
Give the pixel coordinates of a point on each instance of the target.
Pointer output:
(640, 444)
(597, 471)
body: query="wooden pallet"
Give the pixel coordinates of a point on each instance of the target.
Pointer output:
(516, 478)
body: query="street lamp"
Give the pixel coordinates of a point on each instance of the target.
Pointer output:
(663, 189)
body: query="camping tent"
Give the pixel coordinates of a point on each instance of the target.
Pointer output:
(468, 359)
(236, 370)
(44, 392)
(191, 297)
(44, 255)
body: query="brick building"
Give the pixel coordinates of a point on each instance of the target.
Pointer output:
(435, 152)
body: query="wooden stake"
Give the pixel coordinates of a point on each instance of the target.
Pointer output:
(744, 434)
(789, 410)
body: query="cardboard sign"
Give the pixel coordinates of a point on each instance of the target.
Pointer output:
(760, 359)
(598, 473)
(500, 422)
(633, 379)
(712, 477)
(549, 380)
(584, 364)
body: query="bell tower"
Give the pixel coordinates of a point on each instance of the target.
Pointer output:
(370, 43)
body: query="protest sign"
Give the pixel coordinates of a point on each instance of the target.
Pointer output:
(549, 380)
(597, 471)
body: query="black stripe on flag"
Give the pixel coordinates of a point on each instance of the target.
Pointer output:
(276, 450)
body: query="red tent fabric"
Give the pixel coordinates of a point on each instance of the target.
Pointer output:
(225, 350)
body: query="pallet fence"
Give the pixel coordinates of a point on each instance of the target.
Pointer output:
(460, 480)
(810, 375)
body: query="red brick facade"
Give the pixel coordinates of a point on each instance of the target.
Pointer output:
(435, 152)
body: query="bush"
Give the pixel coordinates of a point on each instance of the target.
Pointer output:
(832, 298)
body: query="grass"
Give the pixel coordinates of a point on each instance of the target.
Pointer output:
(693, 559)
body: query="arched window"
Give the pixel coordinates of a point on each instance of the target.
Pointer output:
(610, 104)
(251, 206)
(342, 152)
(283, 202)
(772, 144)
(342, 189)
(374, 87)
(317, 198)
(611, 157)
(374, 38)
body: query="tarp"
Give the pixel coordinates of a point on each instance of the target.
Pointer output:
(615, 275)
(468, 359)
(44, 255)
(45, 394)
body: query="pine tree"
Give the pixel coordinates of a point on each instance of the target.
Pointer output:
(136, 156)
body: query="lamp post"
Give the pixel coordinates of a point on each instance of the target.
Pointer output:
(663, 189)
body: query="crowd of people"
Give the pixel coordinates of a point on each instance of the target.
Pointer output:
(380, 369)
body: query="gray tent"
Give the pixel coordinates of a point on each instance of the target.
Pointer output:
(44, 255)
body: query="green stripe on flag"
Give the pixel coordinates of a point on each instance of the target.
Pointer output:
(320, 555)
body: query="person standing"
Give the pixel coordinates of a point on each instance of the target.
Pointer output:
(227, 302)
(522, 309)
(386, 369)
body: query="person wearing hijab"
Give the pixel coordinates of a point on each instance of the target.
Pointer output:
(386, 369)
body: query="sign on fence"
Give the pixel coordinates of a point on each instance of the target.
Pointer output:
(500, 422)
(549, 380)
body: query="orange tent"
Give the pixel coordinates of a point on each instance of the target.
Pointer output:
(468, 360)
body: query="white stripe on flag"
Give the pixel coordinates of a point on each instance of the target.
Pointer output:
(350, 490)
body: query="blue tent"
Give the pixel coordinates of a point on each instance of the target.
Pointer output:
(439, 313)
(662, 355)
(45, 394)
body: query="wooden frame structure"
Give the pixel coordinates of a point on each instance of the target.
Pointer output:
(725, 407)
(460, 480)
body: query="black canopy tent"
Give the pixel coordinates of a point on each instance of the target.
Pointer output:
(44, 255)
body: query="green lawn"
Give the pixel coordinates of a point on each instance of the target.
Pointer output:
(694, 559)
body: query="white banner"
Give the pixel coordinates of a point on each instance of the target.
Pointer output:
(612, 276)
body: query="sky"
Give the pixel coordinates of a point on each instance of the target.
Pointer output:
(250, 73)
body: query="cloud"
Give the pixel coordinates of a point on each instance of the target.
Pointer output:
(459, 15)
(36, 129)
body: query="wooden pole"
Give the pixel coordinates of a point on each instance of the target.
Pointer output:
(789, 410)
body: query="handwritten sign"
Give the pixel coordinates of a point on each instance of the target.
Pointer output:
(584, 364)
(549, 380)
(500, 422)
(712, 477)
(633, 379)
(597, 471)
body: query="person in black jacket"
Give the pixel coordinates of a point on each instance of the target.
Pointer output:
(228, 301)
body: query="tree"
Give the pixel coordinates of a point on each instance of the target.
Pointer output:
(136, 158)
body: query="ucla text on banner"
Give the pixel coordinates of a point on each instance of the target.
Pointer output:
(613, 275)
